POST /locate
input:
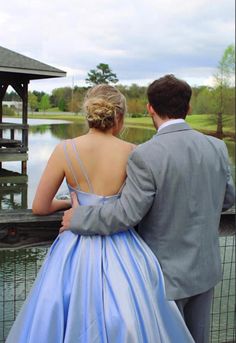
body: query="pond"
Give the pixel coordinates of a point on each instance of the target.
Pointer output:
(44, 135)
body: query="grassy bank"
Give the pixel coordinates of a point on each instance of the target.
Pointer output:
(202, 122)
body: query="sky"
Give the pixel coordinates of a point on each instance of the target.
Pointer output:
(141, 40)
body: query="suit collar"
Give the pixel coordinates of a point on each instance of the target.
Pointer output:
(173, 128)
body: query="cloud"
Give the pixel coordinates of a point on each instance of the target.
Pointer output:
(139, 40)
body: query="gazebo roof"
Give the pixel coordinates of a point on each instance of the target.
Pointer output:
(16, 66)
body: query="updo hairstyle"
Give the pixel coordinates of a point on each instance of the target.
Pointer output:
(103, 105)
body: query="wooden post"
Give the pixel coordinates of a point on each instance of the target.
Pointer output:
(3, 89)
(24, 167)
(25, 113)
(12, 134)
(22, 90)
(24, 198)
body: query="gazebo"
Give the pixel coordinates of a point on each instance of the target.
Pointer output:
(17, 70)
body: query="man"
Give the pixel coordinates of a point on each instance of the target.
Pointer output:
(177, 185)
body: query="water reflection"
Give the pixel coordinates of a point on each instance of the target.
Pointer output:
(13, 192)
(18, 270)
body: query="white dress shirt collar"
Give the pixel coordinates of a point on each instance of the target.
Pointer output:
(170, 122)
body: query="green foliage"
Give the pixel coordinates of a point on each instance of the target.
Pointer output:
(204, 102)
(33, 101)
(61, 97)
(39, 95)
(44, 103)
(226, 68)
(74, 103)
(62, 105)
(224, 76)
(224, 79)
(102, 74)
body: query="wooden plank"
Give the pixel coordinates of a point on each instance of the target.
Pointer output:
(13, 156)
(13, 179)
(6, 142)
(26, 216)
(6, 172)
(17, 126)
(18, 149)
(12, 189)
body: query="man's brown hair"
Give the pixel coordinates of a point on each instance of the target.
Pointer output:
(169, 97)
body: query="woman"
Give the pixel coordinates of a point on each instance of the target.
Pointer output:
(96, 289)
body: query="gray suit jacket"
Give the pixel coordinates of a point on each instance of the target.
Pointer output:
(177, 185)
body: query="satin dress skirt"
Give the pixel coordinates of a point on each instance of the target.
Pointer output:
(94, 289)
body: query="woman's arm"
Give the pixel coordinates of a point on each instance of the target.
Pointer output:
(53, 175)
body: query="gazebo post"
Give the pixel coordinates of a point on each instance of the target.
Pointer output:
(25, 122)
(22, 90)
(3, 89)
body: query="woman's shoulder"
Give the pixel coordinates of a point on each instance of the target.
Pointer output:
(125, 144)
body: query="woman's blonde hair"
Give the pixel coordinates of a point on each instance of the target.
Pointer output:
(102, 105)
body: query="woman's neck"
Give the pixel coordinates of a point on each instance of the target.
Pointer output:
(101, 133)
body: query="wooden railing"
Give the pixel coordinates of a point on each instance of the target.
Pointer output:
(12, 145)
(26, 223)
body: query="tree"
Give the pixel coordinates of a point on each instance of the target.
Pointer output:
(33, 101)
(39, 95)
(61, 97)
(204, 102)
(102, 74)
(74, 103)
(223, 79)
(44, 103)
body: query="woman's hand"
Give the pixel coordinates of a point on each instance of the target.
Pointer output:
(66, 219)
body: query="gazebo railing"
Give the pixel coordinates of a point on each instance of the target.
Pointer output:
(10, 144)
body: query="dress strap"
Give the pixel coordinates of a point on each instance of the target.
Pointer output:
(70, 164)
(121, 188)
(82, 166)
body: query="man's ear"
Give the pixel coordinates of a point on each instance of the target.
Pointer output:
(150, 110)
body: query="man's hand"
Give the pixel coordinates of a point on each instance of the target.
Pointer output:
(66, 219)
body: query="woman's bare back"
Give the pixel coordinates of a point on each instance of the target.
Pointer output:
(104, 158)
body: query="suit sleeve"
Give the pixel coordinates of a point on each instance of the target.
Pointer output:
(127, 211)
(229, 199)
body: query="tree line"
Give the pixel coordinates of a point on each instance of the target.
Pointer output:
(67, 99)
(219, 99)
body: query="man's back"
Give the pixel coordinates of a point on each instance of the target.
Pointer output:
(190, 170)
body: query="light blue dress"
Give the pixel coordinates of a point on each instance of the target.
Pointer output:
(99, 289)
